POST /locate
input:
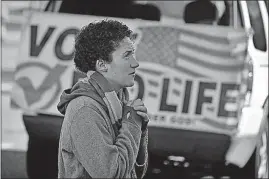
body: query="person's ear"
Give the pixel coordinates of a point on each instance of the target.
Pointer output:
(101, 66)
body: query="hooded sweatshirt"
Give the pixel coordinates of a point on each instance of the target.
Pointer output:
(88, 147)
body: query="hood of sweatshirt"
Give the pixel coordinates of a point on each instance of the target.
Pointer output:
(81, 88)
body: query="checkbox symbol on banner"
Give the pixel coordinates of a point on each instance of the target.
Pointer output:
(33, 94)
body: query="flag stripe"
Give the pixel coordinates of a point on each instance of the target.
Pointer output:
(223, 52)
(214, 37)
(216, 67)
(153, 83)
(204, 49)
(239, 48)
(229, 100)
(206, 72)
(152, 94)
(211, 109)
(213, 46)
(177, 80)
(231, 107)
(209, 59)
(150, 71)
(176, 92)
(232, 93)
(190, 72)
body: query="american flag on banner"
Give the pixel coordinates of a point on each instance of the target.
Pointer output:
(197, 53)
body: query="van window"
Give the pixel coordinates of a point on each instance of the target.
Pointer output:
(113, 8)
(175, 10)
(257, 25)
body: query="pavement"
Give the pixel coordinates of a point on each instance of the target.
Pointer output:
(14, 141)
(13, 164)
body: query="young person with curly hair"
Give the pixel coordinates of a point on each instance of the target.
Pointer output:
(104, 134)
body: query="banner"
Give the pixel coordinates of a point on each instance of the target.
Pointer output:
(190, 76)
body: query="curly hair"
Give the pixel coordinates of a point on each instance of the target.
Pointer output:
(98, 40)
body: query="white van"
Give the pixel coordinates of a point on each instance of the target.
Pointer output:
(246, 145)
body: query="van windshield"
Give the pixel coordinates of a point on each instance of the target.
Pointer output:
(113, 8)
(206, 11)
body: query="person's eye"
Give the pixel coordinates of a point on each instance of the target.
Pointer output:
(128, 54)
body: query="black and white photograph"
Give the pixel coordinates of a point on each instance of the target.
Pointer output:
(134, 89)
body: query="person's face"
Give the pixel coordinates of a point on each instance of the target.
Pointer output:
(121, 71)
